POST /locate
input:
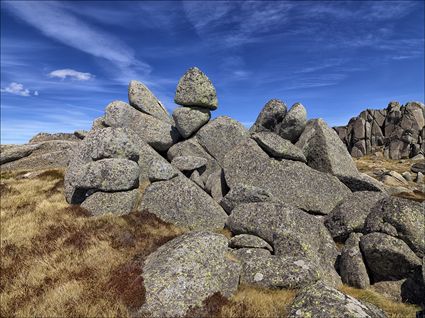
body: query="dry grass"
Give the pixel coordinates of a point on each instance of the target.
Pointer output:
(392, 309)
(369, 163)
(58, 262)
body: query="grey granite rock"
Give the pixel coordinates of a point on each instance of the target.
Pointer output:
(118, 203)
(195, 89)
(249, 241)
(183, 272)
(189, 119)
(160, 170)
(188, 163)
(244, 194)
(270, 116)
(294, 123)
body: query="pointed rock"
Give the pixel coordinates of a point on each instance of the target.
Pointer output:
(270, 116)
(294, 123)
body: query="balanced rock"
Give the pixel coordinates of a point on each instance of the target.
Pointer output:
(158, 134)
(387, 257)
(350, 215)
(242, 193)
(189, 119)
(221, 135)
(352, 268)
(270, 117)
(141, 98)
(401, 218)
(182, 273)
(294, 123)
(196, 89)
(288, 181)
(118, 203)
(188, 163)
(182, 202)
(277, 147)
(322, 301)
(249, 241)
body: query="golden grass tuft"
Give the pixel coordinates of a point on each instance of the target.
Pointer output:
(58, 262)
(392, 309)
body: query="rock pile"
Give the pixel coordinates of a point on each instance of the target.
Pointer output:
(398, 130)
(287, 189)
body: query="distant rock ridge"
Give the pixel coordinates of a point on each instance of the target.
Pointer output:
(398, 131)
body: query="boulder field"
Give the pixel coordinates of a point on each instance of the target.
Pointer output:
(287, 189)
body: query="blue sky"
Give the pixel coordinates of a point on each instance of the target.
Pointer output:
(63, 62)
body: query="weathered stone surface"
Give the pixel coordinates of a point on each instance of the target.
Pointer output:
(141, 98)
(393, 178)
(111, 143)
(325, 151)
(401, 218)
(419, 178)
(249, 241)
(182, 273)
(352, 268)
(99, 123)
(289, 181)
(221, 135)
(102, 175)
(40, 137)
(158, 134)
(189, 119)
(118, 203)
(196, 89)
(160, 170)
(290, 231)
(321, 301)
(270, 271)
(387, 257)
(196, 178)
(278, 147)
(350, 215)
(181, 202)
(191, 147)
(362, 182)
(16, 152)
(418, 167)
(270, 116)
(81, 134)
(216, 185)
(294, 123)
(188, 163)
(407, 176)
(244, 194)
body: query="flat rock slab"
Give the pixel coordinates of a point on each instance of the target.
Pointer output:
(182, 273)
(288, 181)
(141, 98)
(182, 202)
(195, 89)
(117, 203)
(277, 147)
(321, 301)
(157, 133)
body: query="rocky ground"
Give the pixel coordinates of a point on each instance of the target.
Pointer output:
(280, 207)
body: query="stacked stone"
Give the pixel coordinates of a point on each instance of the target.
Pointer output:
(398, 130)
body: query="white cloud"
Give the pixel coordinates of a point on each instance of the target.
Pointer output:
(36, 93)
(16, 89)
(67, 72)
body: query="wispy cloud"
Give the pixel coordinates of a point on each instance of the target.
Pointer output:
(73, 74)
(55, 21)
(18, 89)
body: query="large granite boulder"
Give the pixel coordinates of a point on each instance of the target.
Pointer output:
(118, 203)
(220, 136)
(401, 218)
(16, 152)
(141, 98)
(184, 272)
(182, 202)
(270, 117)
(387, 257)
(352, 268)
(277, 147)
(350, 215)
(244, 194)
(291, 232)
(159, 134)
(294, 123)
(289, 181)
(189, 119)
(322, 301)
(106, 175)
(196, 89)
